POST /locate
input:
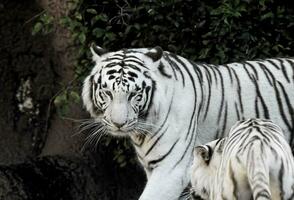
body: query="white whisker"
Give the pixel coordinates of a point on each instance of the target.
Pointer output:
(147, 124)
(145, 132)
(88, 125)
(94, 136)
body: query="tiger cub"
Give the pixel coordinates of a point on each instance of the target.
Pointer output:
(253, 162)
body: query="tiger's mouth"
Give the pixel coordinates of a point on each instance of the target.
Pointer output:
(121, 130)
(132, 127)
(119, 133)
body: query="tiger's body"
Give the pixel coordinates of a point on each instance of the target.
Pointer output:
(165, 103)
(253, 162)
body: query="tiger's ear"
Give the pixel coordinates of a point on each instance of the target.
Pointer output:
(203, 152)
(97, 51)
(155, 53)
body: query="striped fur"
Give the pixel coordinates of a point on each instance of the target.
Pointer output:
(167, 104)
(253, 162)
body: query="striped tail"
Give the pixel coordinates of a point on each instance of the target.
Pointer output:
(258, 172)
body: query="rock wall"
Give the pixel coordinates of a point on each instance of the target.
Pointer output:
(39, 157)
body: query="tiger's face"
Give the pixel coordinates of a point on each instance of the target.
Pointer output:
(207, 159)
(119, 90)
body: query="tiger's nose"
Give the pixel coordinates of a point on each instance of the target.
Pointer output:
(119, 125)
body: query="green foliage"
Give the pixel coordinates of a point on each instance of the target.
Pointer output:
(122, 153)
(213, 31)
(210, 31)
(44, 24)
(62, 100)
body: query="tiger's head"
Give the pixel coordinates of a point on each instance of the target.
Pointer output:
(207, 159)
(119, 90)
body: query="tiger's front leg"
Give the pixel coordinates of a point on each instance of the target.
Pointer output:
(165, 184)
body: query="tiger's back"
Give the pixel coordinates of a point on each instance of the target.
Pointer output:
(256, 89)
(253, 161)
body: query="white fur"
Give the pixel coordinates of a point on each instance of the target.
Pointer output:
(176, 103)
(241, 167)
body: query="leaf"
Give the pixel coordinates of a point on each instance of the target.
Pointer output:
(267, 15)
(92, 11)
(37, 28)
(82, 38)
(98, 32)
(75, 97)
(110, 36)
(100, 17)
(78, 16)
(60, 99)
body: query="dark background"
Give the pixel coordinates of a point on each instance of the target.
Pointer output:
(44, 57)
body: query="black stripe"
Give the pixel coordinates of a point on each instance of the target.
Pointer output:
(222, 95)
(237, 111)
(253, 68)
(146, 91)
(259, 96)
(155, 142)
(201, 85)
(165, 120)
(225, 120)
(210, 152)
(154, 162)
(132, 74)
(280, 105)
(291, 62)
(283, 67)
(111, 71)
(281, 176)
(265, 71)
(134, 67)
(273, 64)
(175, 66)
(208, 78)
(239, 92)
(150, 99)
(198, 71)
(194, 90)
(187, 147)
(256, 106)
(112, 58)
(162, 71)
(230, 73)
(109, 65)
(247, 71)
(268, 72)
(172, 67)
(127, 60)
(291, 112)
(93, 90)
(218, 141)
(215, 76)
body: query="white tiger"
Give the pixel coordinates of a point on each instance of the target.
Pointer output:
(167, 104)
(253, 162)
